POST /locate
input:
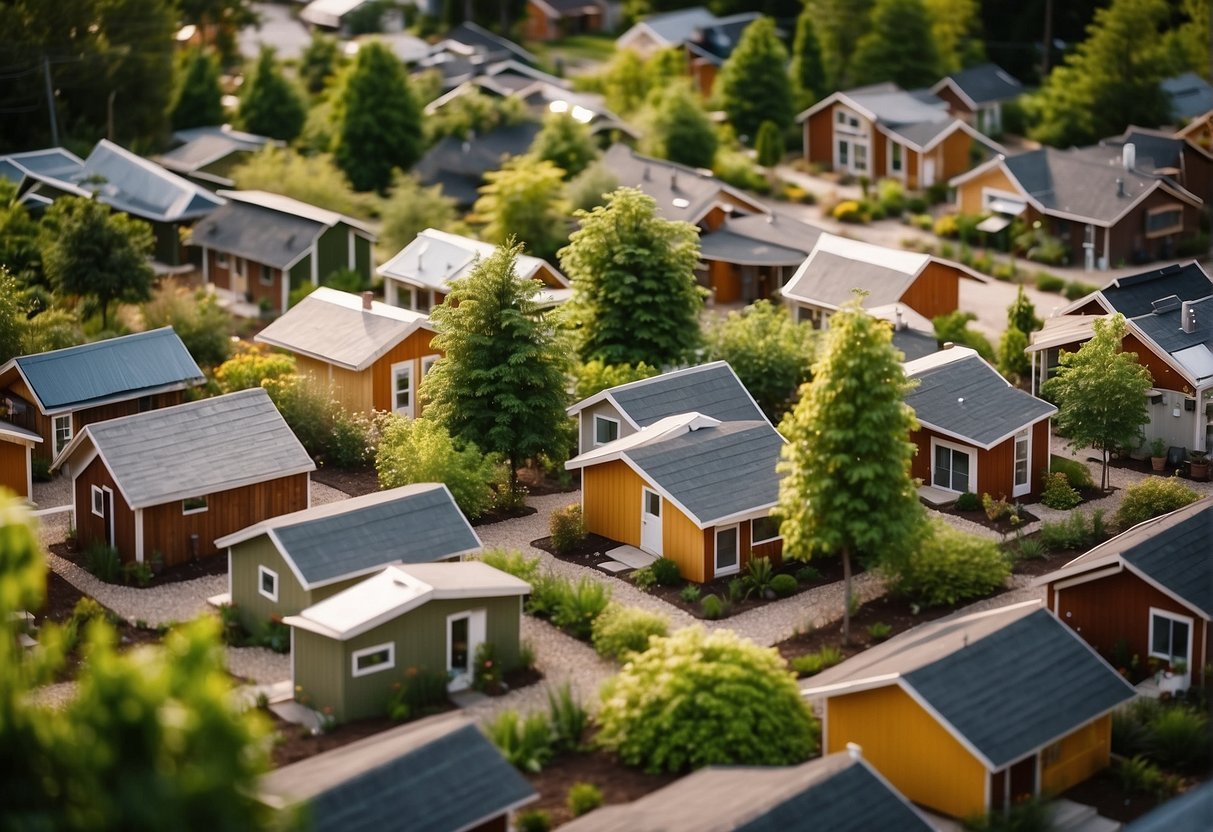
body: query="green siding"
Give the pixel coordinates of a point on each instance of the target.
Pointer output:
(333, 250)
(362, 257)
(301, 272)
(168, 243)
(321, 671)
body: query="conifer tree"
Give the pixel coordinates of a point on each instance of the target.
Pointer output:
(270, 105)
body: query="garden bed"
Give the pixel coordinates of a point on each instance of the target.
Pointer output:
(592, 551)
(895, 612)
(190, 570)
(619, 783)
(1104, 793)
(829, 571)
(354, 482)
(294, 742)
(1003, 525)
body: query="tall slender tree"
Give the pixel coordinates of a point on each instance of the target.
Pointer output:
(270, 105)
(676, 127)
(898, 46)
(754, 83)
(840, 24)
(807, 71)
(199, 99)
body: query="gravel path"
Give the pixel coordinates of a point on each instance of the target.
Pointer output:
(260, 665)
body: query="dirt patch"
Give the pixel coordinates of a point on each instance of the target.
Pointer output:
(619, 783)
(897, 613)
(498, 515)
(190, 570)
(539, 483)
(294, 742)
(1002, 525)
(592, 551)
(1104, 793)
(354, 482)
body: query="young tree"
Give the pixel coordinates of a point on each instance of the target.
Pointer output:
(198, 102)
(771, 353)
(677, 128)
(898, 47)
(956, 31)
(954, 327)
(635, 298)
(524, 200)
(1100, 393)
(754, 83)
(566, 143)
(270, 105)
(319, 62)
(806, 71)
(769, 146)
(1021, 314)
(97, 253)
(12, 316)
(411, 208)
(588, 189)
(501, 381)
(421, 450)
(840, 24)
(312, 179)
(196, 316)
(1021, 322)
(378, 122)
(847, 488)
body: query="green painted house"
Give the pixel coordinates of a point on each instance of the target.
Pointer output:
(283, 565)
(348, 651)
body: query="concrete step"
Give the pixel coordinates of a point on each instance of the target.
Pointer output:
(1069, 816)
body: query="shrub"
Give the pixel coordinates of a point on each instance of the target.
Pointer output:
(534, 820)
(1071, 533)
(1137, 775)
(713, 607)
(784, 585)
(807, 574)
(252, 367)
(195, 315)
(526, 744)
(644, 579)
(690, 593)
(486, 670)
(568, 719)
(849, 211)
(811, 664)
(1076, 289)
(583, 798)
(1004, 271)
(696, 699)
(1152, 497)
(567, 528)
(579, 604)
(546, 590)
(968, 501)
(621, 630)
(420, 450)
(1077, 474)
(41, 469)
(137, 572)
(1057, 492)
(512, 562)
(946, 227)
(995, 509)
(666, 572)
(758, 576)
(1029, 548)
(104, 562)
(1179, 739)
(1047, 282)
(891, 195)
(951, 566)
(420, 693)
(879, 631)
(922, 221)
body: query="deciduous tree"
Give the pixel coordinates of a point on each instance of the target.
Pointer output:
(956, 31)
(840, 24)
(378, 120)
(421, 450)
(566, 143)
(524, 200)
(898, 46)
(771, 353)
(320, 61)
(754, 83)
(411, 208)
(270, 105)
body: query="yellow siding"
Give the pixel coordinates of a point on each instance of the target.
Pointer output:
(909, 747)
(682, 542)
(969, 194)
(1081, 754)
(352, 389)
(610, 494)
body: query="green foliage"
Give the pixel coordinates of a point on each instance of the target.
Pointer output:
(806, 70)
(951, 566)
(1076, 289)
(103, 561)
(90, 251)
(666, 572)
(252, 367)
(197, 102)
(847, 487)
(588, 189)
(319, 62)
(753, 84)
(501, 382)
(326, 430)
(879, 631)
(968, 501)
(534, 820)
(771, 353)
(1076, 472)
(897, 47)
(676, 127)
(956, 30)
(378, 120)
(526, 743)
(472, 114)
(315, 180)
(486, 670)
(712, 607)
(411, 208)
(1152, 497)
(567, 528)
(1030, 815)
(696, 699)
(954, 327)
(620, 631)
(1021, 314)
(421, 450)
(807, 574)
(12, 317)
(270, 105)
(636, 300)
(1046, 282)
(203, 326)
(784, 585)
(811, 664)
(419, 693)
(512, 562)
(568, 719)
(1013, 361)
(1179, 739)
(524, 201)
(137, 572)
(1073, 533)
(644, 579)
(583, 798)
(566, 143)
(579, 604)
(758, 576)
(690, 593)
(1100, 393)
(733, 166)
(1057, 492)
(1137, 775)
(595, 376)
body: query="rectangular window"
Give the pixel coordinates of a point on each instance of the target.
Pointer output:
(402, 388)
(861, 157)
(1023, 443)
(267, 583)
(763, 530)
(221, 259)
(427, 364)
(1170, 635)
(193, 505)
(652, 503)
(951, 469)
(606, 430)
(374, 659)
(266, 276)
(425, 300)
(98, 501)
(63, 432)
(843, 147)
(727, 556)
(895, 157)
(1168, 219)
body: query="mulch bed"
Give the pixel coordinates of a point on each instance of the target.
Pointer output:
(294, 742)
(592, 551)
(897, 612)
(619, 783)
(355, 482)
(830, 570)
(1104, 793)
(538, 482)
(1002, 526)
(188, 571)
(1035, 567)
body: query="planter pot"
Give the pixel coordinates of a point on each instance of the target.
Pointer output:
(1199, 470)
(1158, 463)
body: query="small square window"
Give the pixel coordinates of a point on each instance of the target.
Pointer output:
(193, 505)
(373, 659)
(605, 430)
(221, 259)
(267, 583)
(98, 502)
(266, 276)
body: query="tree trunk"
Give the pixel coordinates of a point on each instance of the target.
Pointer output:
(846, 601)
(1103, 484)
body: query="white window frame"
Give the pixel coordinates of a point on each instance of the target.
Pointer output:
(1173, 617)
(1018, 489)
(850, 128)
(717, 571)
(989, 195)
(405, 367)
(389, 646)
(427, 364)
(206, 505)
(897, 166)
(754, 541)
(262, 572)
(265, 276)
(599, 417)
(98, 494)
(954, 447)
(71, 431)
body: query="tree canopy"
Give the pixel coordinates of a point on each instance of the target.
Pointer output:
(754, 85)
(839, 25)
(956, 31)
(807, 71)
(635, 298)
(270, 105)
(898, 46)
(525, 201)
(319, 62)
(771, 353)
(677, 128)
(199, 99)
(566, 143)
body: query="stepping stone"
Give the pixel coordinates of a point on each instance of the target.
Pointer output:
(633, 557)
(613, 566)
(292, 711)
(467, 698)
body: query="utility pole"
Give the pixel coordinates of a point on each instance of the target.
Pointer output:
(1048, 53)
(50, 100)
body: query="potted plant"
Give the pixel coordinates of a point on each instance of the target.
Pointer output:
(1198, 465)
(1158, 454)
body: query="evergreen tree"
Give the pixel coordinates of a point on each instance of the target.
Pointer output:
(1012, 359)
(139, 68)
(677, 128)
(839, 24)
(12, 316)
(807, 72)
(754, 83)
(1021, 314)
(319, 62)
(898, 47)
(199, 99)
(501, 382)
(524, 201)
(847, 488)
(635, 298)
(378, 120)
(270, 105)
(566, 143)
(769, 145)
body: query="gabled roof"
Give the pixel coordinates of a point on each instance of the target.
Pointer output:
(415, 523)
(1190, 95)
(440, 773)
(981, 84)
(1157, 152)
(1172, 553)
(19, 435)
(52, 162)
(434, 258)
(482, 41)
(334, 327)
(712, 471)
(194, 449)
(203, 146)
(716, 42)
(839, 793)
(1004, 682)
(589, 108)
(671, 28)
(329, 13)
(961, 396)
(838, 265)
(115, 369)
(681, 192)
(711, 389)
(459, 165)
(399, 589)
(759, 239)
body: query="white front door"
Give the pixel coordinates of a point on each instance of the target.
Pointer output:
(650, 521)
(465, 632)
(1023, 464)
(928, 172)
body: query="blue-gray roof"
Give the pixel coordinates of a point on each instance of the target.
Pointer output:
(459, 165)
(713, 390)
(729, 247)
(1134, 295)
(968, 398)
(914, 343)
(715, 472)
(52, 161)
(677, 26)
(1190, 95)
(117, 368)
(1179, 556)
(1190, 812)
(272, 238)
(986, 83)
(1019, 688)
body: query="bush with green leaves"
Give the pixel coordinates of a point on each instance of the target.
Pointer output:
(1077, 473)
(195, 315)
(579, 604)
(695, 699)
(950, 566)
(879, 631)
(1152, 497)
(666, 572)
(534, 820)
(419, 693)
(512, 562)
(968, 501)
(1179, 739)
(620, 631)
(784, 585)
(1047, 282)
(103, 561)
(568, 719)
(808, 574)
(595, 376)
(1057, 492)
(712, 607)
(253, 366)
(1029, 548)
(811, 664)
(644, 579)
(420, 450)
(526, 743)
(583, 798)
(325, 429)
(1137, 775)
(690, 593)
(758, 576)
(1074, 533)
(567, 528)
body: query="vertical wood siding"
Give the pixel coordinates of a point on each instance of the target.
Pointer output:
(253, 608)
(819, 137)
(1082, 753)
(90, 528)
(954, 153)
(351, 389)
(14, 468)
(89, 415)
(610, 495)
(935, 292)
(413, 349)
(682, 542)
(969, 193)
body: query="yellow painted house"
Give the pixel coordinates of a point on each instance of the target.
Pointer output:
(372, 356)
(690, 488)
(966, 716)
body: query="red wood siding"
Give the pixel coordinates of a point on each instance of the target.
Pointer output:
(90, 528)
(819, 137)
(935, 292)
(46, 448)
(413, 348)
(956, 107)
(995, 467)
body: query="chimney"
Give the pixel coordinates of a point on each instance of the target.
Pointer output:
(899, 322)
(855, 750)
(1128, 156)
(673, 180)
(367, 297)
(1187, 317)
(1120, 186)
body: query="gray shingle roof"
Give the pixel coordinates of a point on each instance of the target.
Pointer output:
(837, 265)
(986, 83)
(681, 193)
(436, 775)
(729, 247)
(897, 108)
(1134, 295)
(459, 165)
(258, 234)
(967, 397)
(201, 146)
(914, 344)
(677, 26)
(717, 41)
(1178, 553)
(124, 367)
(716, 472)
(198, 448)
(1190, 95)
(711, 389)
(776, 229)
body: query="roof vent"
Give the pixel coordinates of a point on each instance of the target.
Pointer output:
(1168, 304)
(1187, 317)
(947, 345)
(367, 297)
(1128, 156)
(646, 177)
(1120, 186)
(673, 180)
